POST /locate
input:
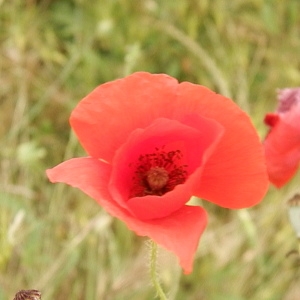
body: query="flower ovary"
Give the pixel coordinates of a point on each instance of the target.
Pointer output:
(157, 178)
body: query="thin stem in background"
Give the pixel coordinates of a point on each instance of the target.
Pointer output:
(203, 56)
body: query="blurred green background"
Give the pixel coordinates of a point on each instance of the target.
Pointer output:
(52, 53)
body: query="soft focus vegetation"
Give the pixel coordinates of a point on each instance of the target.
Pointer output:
(52, 53)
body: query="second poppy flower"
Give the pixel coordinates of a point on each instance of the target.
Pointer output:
(282, 144)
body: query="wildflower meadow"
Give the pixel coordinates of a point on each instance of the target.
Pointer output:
(150, 150)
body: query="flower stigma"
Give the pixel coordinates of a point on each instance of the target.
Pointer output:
(157, 178)
(158, 173)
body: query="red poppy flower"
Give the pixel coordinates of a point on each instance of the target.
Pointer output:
(282, 144)
(152, 144)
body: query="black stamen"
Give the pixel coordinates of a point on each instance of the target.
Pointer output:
(157, 173)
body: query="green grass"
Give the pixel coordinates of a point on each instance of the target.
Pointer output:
(52, 53)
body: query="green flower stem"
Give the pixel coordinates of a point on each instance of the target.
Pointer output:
(153, 272)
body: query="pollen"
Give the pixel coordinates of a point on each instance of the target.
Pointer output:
(157, 173)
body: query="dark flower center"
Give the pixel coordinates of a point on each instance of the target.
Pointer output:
(157, 178)
(158, 173)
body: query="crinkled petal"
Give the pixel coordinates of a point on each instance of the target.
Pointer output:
(179, 232)
(104, 118)
(235, 174)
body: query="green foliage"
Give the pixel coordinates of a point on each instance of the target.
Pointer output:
(54, 238)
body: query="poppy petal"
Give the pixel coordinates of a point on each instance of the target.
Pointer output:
(119, 107)
(282, 148)
(179, 232)
(86, 173)
(235, 175)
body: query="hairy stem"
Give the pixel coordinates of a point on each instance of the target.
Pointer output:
(153, 272)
